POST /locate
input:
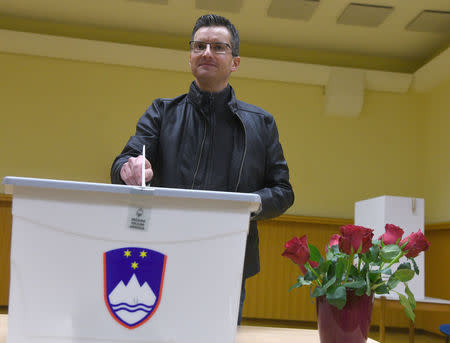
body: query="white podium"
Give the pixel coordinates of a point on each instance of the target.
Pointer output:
(110, 263)
(407, 213)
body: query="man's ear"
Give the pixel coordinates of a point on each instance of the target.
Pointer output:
(236, 61)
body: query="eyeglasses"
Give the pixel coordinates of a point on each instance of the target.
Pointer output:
(218, 48)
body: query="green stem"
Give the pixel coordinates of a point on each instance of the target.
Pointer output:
(349, 263)
(308, 266)
(395, 260)
(374, 287)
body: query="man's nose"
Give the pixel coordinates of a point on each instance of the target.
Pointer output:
(208, 50)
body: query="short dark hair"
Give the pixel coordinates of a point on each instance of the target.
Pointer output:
(217, 20)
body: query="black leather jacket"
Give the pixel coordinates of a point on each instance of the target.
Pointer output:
(178, 142)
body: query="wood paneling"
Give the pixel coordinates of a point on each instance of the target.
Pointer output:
(437, 258)
(5, 246)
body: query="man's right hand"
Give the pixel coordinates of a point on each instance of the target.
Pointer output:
(131, 172)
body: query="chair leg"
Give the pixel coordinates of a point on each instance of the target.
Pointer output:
(411, 332)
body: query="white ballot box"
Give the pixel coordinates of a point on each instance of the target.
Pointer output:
(110, 263)
(407, 213)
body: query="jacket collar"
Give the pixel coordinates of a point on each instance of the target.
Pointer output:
(201, 98)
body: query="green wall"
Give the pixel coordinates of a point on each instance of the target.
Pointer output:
(67, 120)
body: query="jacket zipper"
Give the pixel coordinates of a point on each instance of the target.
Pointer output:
(243, 154)
(201, 153)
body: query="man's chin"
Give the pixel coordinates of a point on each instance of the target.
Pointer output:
(207, 76)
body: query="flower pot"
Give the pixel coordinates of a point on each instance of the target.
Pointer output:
(349, 325)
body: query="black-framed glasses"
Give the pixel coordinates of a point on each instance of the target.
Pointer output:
(199, 47)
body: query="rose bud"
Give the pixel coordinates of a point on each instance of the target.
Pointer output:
(392, 235)
(417, 243)
(298, 251)
(334, 240)
(353, 237)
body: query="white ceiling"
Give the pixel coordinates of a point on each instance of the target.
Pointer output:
(320, 33)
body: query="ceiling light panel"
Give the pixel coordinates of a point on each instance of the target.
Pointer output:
(364, 15)
(233, 6)
(431, 21)
(292, 9)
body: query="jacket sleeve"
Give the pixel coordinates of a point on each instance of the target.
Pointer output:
(147, 133)
(277, 195)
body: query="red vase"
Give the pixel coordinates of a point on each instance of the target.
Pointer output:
(349, 325)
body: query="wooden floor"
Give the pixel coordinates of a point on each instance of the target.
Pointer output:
(391, 336)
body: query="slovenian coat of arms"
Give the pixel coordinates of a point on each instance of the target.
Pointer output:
(133, 283)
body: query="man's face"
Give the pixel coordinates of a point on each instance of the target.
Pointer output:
(212, 70)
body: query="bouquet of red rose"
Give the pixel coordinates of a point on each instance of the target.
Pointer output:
(355, 261)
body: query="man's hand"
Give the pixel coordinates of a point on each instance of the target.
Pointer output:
(131, 172)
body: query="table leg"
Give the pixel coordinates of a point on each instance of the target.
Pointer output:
(382, 318)
(411, 332)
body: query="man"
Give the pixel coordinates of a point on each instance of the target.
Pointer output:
(207, 139)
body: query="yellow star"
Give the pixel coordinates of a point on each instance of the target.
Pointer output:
(143, 254)
(134, 265)
(127, 253)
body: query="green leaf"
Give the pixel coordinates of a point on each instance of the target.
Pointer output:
(373, 276)
(355, 284)
(360, 291)
(389, 252)
(382, 289)
(416, 268)
(393, 282)
(411, 298)
(323, 268)
(407, 306)
(310, 276)
(374, 251)
(318, 291)
(332, 252)
(386, 271)
(340, 269)
(368, 290)
(300, 282)
(404, 275)
(353, 270)
(329, 255)
(330, 282)
(314, 253)
(338, 298)
(404, 265)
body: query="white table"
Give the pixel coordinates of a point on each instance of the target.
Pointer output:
(245, 334)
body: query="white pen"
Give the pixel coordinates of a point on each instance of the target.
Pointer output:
(143, 166)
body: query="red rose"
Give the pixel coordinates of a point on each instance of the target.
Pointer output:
(353, 237)
(416, 244)
(392, 235)
(334, 240)
(298, 251)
